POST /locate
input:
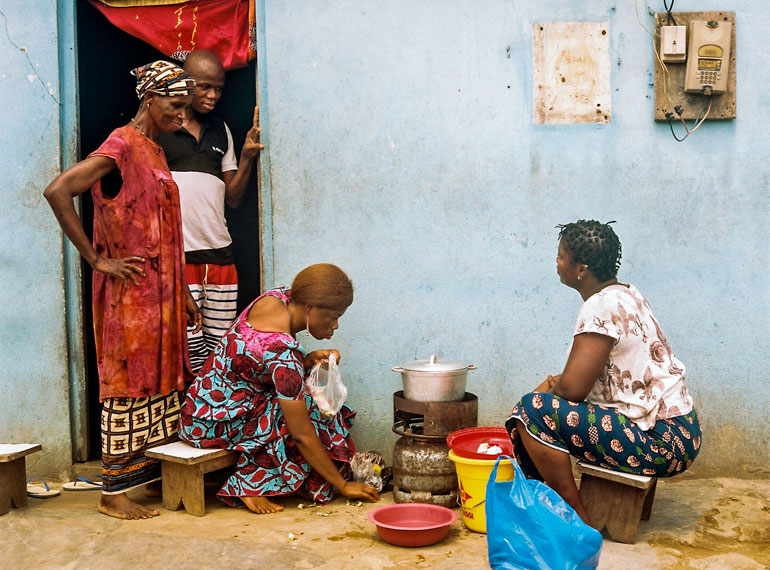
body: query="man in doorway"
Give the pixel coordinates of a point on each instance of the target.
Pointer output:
(202, 162)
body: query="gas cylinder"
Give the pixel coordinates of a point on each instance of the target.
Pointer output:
(423, 472)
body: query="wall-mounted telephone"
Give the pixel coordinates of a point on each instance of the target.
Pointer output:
(708, 57)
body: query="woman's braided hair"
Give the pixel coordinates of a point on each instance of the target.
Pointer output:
(593, 244)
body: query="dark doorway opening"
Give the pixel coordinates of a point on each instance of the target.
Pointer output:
(106, 55)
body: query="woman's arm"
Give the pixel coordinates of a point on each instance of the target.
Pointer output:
(298, 422)
(61, 195)
(589, 355)
(548, 384)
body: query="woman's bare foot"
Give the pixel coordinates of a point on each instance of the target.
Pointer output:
(261, 505)
(153, 489)
(121, 507)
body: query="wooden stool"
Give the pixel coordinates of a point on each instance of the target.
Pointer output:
(616, 501)
(183, 467)
(13, 474)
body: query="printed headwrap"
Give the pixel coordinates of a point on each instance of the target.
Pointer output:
(163, 78)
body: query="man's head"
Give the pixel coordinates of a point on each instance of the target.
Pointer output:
(209, 74)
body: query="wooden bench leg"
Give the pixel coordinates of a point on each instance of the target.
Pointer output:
(183, 484)
(613, 506)
(13, 484)
(647, 509)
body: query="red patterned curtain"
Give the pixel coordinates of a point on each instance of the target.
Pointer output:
(226, 27)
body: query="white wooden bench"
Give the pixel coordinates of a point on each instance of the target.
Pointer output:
(13, 474)
(183, 468)
(616, 501)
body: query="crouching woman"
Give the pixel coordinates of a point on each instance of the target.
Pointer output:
(249, 397)
(621, 402)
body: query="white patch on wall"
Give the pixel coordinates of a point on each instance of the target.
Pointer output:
(571, 72)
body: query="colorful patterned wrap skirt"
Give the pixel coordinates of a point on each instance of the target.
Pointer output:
(234, 403)
(270, 463)
(602, 436)
(129, 427)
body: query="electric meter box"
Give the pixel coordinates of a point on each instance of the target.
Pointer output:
(709, 57)
(678, 87)
(673, 44)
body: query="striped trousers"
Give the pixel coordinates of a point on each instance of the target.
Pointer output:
(215, 289)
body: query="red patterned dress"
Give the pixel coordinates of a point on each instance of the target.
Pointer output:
(140, 330)
(234, 404)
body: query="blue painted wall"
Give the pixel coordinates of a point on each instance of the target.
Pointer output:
(402, 148)
(34, 376)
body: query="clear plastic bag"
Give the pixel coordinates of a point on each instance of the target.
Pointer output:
(369, 467)
(324, 384)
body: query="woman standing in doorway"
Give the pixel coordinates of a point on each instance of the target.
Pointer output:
(141, 304)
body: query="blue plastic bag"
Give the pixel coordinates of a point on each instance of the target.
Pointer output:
(530, 527)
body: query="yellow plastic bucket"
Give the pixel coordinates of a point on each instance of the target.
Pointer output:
(473, 474)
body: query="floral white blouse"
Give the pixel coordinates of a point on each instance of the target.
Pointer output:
(642, 378)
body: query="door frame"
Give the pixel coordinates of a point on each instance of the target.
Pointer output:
(66, 18)
(237, 112)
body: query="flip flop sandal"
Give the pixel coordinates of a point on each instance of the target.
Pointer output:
(40, 491)
(82, 484)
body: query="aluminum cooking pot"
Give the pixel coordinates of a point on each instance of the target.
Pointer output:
(434, 380)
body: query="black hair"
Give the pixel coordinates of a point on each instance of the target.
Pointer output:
(593, 244)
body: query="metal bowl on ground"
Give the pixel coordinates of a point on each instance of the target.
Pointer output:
(434, 380)
(412, 524)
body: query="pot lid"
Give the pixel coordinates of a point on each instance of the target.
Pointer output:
(433, 364)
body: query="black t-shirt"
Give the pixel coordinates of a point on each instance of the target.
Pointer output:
(186, 154)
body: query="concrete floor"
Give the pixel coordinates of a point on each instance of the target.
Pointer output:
(696, 523)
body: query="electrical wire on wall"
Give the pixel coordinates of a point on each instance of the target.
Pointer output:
(654, 36)
(698, 122)
(678, 109)
(671, 20)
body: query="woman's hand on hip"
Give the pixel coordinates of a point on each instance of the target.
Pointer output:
(124, 268)
(356, 490)
(319, 356)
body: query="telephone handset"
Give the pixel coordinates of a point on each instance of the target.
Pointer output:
(708, 57)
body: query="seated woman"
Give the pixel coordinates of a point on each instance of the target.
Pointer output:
(249, 397)
(621, 401)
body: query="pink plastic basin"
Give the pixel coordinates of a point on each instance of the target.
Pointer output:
(412, 524)
(465, 442)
